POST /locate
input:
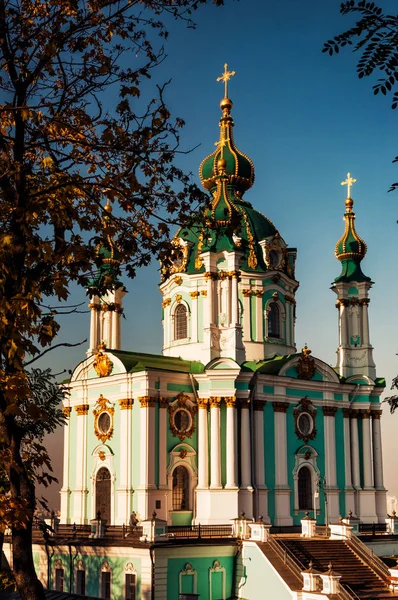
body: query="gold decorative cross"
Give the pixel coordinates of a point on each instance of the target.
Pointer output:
(225, 77)
(348, 182)
(220, 144)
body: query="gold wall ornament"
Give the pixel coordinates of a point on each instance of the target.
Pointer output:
(163, 402)
(304, 420)
(230, 401)
(194, 295)
(94, 306)
(178, 298)
(204, 293)
(101, 455)
(306, 364)
(126, 403)
(247, 293)
(82, 409)
(258, 293)
(203, 403)
(147, 401)
(215, 401)
(67, 410)
(183, 453)
(178, 280)
(102, 363)
(179, 256)
(181, 416)
(234, 274)
(103, 419)
(166, 302)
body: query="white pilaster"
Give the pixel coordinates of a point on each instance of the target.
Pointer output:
(377, 450)
(261, 488)
(246, 315)
(259, 316)
(124, 484)
(79, 515)
(234, 298)
(66, 484)
(245, 446)
(215, 452)
(163, 403)
(349, 491)
(329, 413)
(366, 450)
(94, 307)
(365, 323)
(232, 447)
(210, 300)
(356, 478)
(194, 316)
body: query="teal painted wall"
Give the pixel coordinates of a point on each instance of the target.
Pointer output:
(179, 387)
(202, 567)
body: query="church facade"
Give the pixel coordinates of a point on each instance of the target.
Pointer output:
(230, 417)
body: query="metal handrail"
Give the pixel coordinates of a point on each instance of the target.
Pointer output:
(347, 593)
(294, 565)
(377, 564)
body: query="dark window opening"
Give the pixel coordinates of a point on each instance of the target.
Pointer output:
(59, 580)
(130, 585)
(180, 323)
(103, 494)
(81, 582)
(106, 585)
(274, 321)
(180, 488)
(304, 489)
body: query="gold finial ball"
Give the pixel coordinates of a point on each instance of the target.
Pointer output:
(349, 203)
(108, 207)
(226, 103)
(221, 164)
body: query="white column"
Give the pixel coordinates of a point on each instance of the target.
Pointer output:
(365, 323)
(343, 322)
(245, 445)
(210, 300)
(163, 404)
(80, 484)
(330, 444)
(232, 446)
(246, 316)
(366, 450)
(356, 479)
(215, 452)
(377, 450)
(280, 443)
(194, 316)
(166, 323)
(94, 323)
(144, 432)
(66, 484)
(347, 447)
(124, 496)
(259, 316)
(107, 326)
(203, 445)
(234, 298)
(151, 444)
(259, 442)
(115, 318)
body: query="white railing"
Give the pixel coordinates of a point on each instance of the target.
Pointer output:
(293, 564)
(377, 564)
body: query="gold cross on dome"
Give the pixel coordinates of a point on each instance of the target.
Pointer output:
(348, 182)
(225, 77)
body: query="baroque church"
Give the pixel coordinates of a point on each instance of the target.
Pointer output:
(230, 423)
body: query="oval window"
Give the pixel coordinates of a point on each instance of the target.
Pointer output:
(104, 422)
(182, 420)
(304, 424)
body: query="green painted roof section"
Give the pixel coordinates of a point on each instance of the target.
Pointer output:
(272, 366)
(134, 362)
(351, 271)
(380, 382)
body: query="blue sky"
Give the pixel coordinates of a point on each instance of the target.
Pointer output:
(305, 120)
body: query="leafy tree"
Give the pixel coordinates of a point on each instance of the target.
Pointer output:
(375, 37)
(64, 154)
(392, 401)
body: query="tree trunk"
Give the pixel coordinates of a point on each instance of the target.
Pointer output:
(28, 585)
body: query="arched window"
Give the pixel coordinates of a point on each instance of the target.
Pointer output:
(180, 323)
(274, 329)
(180, 488)
(130, 582)
(106, 581)
(103, 494)
(59, 576)
(304, 489)
(80, 579)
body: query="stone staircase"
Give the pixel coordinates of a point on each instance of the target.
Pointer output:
(362, 576)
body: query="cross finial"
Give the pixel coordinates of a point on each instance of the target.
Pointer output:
(225, 77)
(348, 182)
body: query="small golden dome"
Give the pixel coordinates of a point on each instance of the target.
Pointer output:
(108, 207)
(221, 164)
(226, 103)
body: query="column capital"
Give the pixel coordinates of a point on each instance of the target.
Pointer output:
(126, 403)
(364, 302)
(365, 413)
(163, 402)
(94, 306)
(342, 302)
(234, 274)
(230, 401)
(347, 413)
(209, 275)
(204, 293)
(146, 401)
(82, 409)
(376, 414)
(290, 299)
(329, 411)
(259, 405)
(67, 410)
(258, 293)
(280, 406)
(215, 401)
(244, 402)
(203, 403)
(166, 302)
(355, 413)
(247, 293)
(194, 295)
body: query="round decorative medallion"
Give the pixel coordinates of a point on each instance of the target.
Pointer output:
(182, 420)
(305, 424)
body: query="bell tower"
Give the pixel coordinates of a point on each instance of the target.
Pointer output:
(355, 352)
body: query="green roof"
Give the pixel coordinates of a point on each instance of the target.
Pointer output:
(134, 362)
